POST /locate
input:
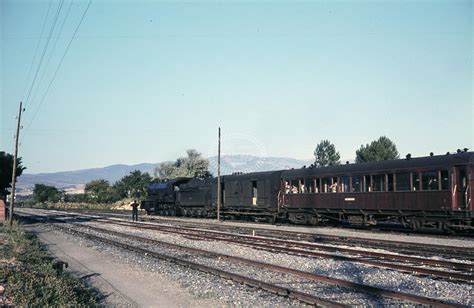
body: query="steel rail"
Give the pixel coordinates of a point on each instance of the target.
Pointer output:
(334, 281)
(400, 267)
(273, 288)
(383, 256)
(432, 249)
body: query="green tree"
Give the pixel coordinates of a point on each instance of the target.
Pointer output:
(99, 191)
(6, 168)
(380, 149)
(194, 165)
(43, 193)
(133, 185)
(325, 154)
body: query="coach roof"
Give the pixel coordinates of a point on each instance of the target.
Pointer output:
(427, 162)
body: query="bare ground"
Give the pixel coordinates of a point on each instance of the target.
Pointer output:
(119, 283)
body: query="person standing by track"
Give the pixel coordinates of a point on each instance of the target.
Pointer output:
(134, 206)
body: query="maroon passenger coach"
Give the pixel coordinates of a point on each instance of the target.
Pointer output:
(431, 192)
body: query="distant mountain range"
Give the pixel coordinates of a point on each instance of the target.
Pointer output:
(73, 179)
(229, 165)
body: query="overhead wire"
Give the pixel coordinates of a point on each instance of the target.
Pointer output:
(58, 67)
(52, 50)
(58, 11)
(36, 50)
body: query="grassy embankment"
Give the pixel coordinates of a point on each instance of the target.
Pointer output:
(29, 277)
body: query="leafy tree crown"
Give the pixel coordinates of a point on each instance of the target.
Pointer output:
(43, 193)
(325, 154)
(6, 169)
(194, 165)
(380, 149)
(134, 185)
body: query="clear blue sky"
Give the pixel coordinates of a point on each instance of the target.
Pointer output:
(145, 80)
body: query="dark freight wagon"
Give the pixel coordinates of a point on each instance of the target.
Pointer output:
(250, 195)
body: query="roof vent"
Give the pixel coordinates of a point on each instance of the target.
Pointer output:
(465, 150)
(431, 154)
(458, 151)
(347, 162)
(447, 153)
(408, 156)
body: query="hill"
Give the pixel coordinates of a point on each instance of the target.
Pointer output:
(70, 179)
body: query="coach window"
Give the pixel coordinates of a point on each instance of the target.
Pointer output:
(378, 182)
(294, 186)
(444, 179)
(237, 188)
(368, 183)
(317, 185)
(309, 185)
(325, 185)
(429, 180)
(462, 177)
(415, 181)
(254, 189)
(334, 185)
(345, 183)
(302, 187)
(403, 181)
(356, 183)
(390, 182)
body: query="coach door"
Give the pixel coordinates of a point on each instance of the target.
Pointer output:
(461, 187)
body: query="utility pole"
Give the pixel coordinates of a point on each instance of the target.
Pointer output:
(12, 195)
(219, 176)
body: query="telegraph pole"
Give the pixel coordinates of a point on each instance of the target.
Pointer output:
(219, 176)
(12, 195)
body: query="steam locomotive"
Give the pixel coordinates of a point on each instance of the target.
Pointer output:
(425, 193)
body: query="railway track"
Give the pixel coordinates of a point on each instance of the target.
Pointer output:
(277, 246)
(401, 247)
(404, 263)
(315, 250)
(428, 250)
(274, 288)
